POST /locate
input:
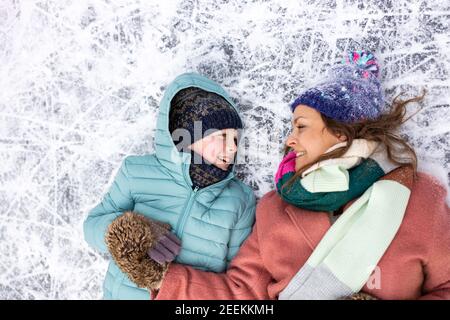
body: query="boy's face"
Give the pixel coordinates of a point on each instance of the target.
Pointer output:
(218, 148)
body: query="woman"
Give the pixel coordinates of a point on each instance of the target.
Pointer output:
(350, 214)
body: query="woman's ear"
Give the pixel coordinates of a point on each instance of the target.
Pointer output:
(342, 137)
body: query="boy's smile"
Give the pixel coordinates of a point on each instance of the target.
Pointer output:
(218, 148)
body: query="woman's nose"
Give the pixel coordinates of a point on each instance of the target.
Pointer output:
(290, 141)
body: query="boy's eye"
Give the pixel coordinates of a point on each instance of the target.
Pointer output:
(219, 136)
(300, 126)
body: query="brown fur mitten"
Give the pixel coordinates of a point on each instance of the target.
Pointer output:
(359, 296)
(128, 238)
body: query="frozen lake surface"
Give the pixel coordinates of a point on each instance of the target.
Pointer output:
(81, 81)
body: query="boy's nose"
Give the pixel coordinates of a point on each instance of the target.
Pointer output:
(232, 147)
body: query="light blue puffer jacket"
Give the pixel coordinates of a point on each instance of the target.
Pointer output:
(211, 222)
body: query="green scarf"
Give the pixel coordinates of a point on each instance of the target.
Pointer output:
(331, 184)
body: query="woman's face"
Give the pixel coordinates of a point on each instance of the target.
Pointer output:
(219, 148)
(309, 137)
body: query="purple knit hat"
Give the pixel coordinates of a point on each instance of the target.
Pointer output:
(351, 91)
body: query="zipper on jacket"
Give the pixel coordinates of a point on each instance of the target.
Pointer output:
(183, 218)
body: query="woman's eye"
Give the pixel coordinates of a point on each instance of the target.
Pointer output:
(300, 127)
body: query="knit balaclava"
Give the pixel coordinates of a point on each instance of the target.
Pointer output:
(199, 113)
(351, 91)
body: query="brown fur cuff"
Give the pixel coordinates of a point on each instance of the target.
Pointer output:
(128, 238)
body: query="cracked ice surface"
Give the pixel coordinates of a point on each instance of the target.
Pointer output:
(81, 80)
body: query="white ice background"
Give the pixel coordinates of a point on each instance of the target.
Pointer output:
(80, 83)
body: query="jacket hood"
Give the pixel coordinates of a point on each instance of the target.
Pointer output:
(178, 162)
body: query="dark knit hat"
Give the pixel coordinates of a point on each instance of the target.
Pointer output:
(351, 91)
(193, 109)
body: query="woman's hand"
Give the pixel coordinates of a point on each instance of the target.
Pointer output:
(359, 296)
(129, 239)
